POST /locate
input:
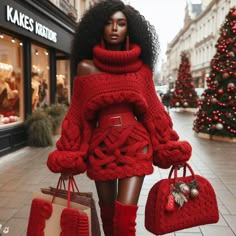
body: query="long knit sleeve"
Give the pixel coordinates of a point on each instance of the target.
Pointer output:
(167, 149)
(71, 153)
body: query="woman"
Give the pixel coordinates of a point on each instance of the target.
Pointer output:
(116, 127)
(166, 100)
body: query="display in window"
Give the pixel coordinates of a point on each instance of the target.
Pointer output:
(63, 80)
(11, 81)
(9, 94)
(39, 91)
(62, 90)
(40, 77)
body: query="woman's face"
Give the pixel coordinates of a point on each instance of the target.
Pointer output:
(115, 30)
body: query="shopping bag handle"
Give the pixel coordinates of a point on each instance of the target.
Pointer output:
(71, 185)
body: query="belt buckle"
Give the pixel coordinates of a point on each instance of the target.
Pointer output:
(117, 117)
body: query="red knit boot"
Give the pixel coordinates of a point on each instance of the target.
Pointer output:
(124, 219)
(107, 214)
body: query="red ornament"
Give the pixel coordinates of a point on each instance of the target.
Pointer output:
(220, 91)
(225, 75)
(234, 14)
(215, 117)
(233, 29)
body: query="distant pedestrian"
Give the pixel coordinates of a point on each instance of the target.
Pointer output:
(166, 100)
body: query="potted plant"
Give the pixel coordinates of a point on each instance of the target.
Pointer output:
(39, 129)
(56, 113)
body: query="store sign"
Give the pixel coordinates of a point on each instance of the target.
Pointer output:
(20, 19)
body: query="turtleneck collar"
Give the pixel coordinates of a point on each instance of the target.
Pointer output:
(117, 61)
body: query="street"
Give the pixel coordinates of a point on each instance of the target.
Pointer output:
(25, 171)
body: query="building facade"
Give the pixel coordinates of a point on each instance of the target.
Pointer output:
(198, 38)
(35, 39)
(73, 8)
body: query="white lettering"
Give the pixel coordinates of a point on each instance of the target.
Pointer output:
(37, 25)
(15, 18)
(21, 20)
(24, 21)
(31, 24)
(45, 32)
(9, 16)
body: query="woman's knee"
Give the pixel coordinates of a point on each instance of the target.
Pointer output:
(129, 190)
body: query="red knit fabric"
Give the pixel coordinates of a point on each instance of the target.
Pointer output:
(125, 219)
(74, 223)
(131, 83)
(117, 61)
(118, 153)
(40, 211)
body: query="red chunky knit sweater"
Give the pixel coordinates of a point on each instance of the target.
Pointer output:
(125, 79)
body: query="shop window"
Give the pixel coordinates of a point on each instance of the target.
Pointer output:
(40, 77)
(11, 81)
(63, 82)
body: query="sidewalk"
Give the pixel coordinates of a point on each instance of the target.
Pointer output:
(25, 171)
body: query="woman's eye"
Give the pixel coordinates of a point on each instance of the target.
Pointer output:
(108, 22)
(122, 24)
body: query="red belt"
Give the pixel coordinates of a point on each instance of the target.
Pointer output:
(122, 119)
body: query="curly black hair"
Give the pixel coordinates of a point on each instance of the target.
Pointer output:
(90, 30)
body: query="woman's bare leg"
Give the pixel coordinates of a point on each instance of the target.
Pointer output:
(129, 190)
(107, 192)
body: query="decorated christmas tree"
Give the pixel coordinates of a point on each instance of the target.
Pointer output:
(217, 109)
(184, 94)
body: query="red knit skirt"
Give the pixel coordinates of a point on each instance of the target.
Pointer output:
(119, 151)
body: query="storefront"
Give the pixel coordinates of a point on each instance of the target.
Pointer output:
(35, 38)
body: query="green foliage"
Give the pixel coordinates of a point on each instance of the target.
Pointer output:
(39, 129)
(42, 123)
(56, 113)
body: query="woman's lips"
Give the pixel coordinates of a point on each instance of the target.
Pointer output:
(114, 36)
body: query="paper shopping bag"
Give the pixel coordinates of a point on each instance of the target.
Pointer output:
(55, 216)
(84, 198)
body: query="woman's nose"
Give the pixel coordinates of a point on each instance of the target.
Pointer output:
(114, 27)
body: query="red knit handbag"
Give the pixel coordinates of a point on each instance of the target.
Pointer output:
(180, 202)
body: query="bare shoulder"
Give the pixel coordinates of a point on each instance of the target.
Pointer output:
(87, 67)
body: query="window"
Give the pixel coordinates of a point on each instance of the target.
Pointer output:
(63, 82)
(11, 81)
(40, 77)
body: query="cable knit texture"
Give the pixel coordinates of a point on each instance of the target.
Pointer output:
(125, 79)
(125, 219)
(74, 223)
(40, 211)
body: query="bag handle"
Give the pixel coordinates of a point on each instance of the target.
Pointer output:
(71, 185)
(176, 168)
